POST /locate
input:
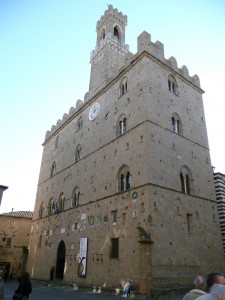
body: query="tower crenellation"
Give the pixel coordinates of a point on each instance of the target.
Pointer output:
(60, 122)
(106, 25)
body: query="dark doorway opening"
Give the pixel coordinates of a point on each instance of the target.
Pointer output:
(4, 270)
(60, 263)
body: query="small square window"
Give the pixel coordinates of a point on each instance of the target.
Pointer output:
(12, 224)
(124, 217)
(8, 242)
(114, 215)
(39, 241)
(75, 226)
(189, 223)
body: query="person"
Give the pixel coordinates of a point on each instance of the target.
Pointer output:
(4, 274)
(126, 288)
(215, 278)
(52, 273)
(24, 288)
(199, 287)
(1, 286)
(217, 292)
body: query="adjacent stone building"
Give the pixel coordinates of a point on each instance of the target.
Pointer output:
(219, 180)
(126, 184)
(14, 241)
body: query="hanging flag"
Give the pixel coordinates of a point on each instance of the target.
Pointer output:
(56, 208)
(53, 207)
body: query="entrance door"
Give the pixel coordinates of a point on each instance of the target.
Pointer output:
(4, 269)
(60, 263)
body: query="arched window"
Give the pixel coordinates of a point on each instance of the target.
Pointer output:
(75, 197)
(41, 210)
(53, 169)
(102, 36)
(121, 125)
(50, 207)
(122, 183)
(172, 85)
(116, 33)
(187, 181)
(128, 181)
(185, 178)
(78, 153)
(123, 87)
(176, 124)
(61, 203)
(124, 179)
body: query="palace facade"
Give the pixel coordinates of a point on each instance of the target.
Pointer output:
(126, 185)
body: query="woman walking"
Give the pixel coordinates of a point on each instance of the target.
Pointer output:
(24, 289)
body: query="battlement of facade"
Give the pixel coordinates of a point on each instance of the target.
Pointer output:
(157, 50)
(144, 44)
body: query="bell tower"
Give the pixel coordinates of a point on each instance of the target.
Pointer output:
(110, 51)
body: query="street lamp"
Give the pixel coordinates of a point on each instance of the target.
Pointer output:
(2, 189)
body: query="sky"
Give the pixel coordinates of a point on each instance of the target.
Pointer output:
(45, 48)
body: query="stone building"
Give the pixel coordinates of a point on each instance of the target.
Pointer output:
(126, 184)
(14, 241)
(219, 180)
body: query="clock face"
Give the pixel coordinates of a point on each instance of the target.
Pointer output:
(94, 111)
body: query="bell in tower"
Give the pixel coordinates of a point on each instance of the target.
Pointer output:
(110, 52)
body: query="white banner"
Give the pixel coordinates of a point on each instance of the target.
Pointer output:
(82, 264)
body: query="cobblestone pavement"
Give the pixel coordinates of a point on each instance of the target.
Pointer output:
(55, 292)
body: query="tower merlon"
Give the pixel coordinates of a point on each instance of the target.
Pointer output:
(143, 41)
(72, 110)
(79, 103)
(173, 63)
(144, 44)
(195, 79)
(184, 71)
(65, 116)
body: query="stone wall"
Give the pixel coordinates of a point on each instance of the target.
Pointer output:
(182, 234)
(18, 230)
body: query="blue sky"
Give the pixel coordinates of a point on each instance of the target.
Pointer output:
(44, 69)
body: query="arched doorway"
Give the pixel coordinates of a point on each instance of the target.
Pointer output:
(60, 262)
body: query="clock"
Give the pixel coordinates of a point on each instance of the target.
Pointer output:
(134, 195)
(94, 111)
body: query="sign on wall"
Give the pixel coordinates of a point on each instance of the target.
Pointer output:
(82, 265)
